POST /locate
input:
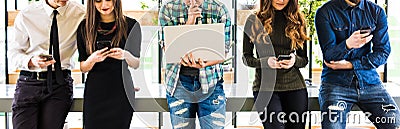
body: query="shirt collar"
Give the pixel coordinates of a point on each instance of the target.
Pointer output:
(343, 5)
(362, 4)
(49, 9)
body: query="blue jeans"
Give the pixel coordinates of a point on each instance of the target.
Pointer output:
(188, 100)
(336, 103)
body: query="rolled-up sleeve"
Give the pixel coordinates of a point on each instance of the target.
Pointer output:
(332, 49)
(380, 48)
(164, 19)
(225, 18)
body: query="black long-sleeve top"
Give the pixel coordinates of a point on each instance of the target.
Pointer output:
(256, 36)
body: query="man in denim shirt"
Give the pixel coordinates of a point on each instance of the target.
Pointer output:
(354, 40)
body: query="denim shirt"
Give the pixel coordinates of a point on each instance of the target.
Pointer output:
(335, 22)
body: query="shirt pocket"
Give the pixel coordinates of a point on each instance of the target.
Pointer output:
(340, 30)
(210, 18)
(178, 19)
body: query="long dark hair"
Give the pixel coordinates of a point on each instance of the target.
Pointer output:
(296, 26)
(92, 23)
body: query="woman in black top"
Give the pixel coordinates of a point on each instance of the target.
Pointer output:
(278, 28)
(108, 43)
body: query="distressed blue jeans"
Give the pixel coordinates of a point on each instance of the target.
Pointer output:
(188, 100)
(376, 103)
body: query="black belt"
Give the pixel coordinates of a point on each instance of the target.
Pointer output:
(189, 71)
(43, 75)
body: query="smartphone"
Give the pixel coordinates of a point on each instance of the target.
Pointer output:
(366, 30)
(103, 44)
(46, 56)
(284, 57)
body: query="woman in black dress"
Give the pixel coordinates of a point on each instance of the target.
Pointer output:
(105, 53)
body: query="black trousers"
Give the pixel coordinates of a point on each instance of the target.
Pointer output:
(35, 108)
(281, 106)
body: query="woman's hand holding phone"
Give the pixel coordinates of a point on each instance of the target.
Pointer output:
(117, 53)
(103, 44)
(288, 62)
(282, 62)
(274, 63)
(99, 55)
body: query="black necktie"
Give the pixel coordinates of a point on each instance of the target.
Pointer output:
(54, 45)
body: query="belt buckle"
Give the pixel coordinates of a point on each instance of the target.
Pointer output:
(38, 77)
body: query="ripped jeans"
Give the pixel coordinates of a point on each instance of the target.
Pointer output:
(188, 100)
(376, 103)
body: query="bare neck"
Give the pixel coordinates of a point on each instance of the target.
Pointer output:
(352, 2)
(107, 18)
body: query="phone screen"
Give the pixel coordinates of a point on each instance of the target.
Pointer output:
(284, 57)
(103, 44)
(46, 56)
(366, 30)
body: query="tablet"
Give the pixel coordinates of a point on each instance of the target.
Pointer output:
(205, 41)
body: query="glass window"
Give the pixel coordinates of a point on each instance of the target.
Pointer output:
(245, 74)
(145, 11)
(10, 5)
(140, 4)
(2, 44)
(394, 33)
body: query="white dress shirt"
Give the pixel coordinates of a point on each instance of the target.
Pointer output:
(32, 33)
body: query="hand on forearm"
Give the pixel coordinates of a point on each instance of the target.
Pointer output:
(339, 65)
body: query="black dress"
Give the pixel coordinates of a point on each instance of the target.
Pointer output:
(109, 83)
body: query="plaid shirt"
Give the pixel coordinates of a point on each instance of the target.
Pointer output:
(213, 11)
